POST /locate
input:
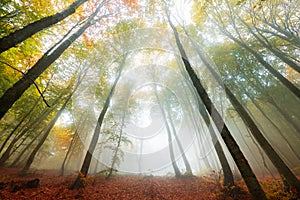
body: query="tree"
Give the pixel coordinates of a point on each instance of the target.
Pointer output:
(16, 91)
(170, 142)
(246, 171)
(258, 135)
(88, 157)
(218, 18)
(228, 176)
(18, 36)
(51, 124)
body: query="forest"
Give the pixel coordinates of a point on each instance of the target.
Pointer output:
(150, 99)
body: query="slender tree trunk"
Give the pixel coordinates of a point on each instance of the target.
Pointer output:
(88, 157)
(74, 138)
(15, 92)
(18, 36)
(171, 149)
(243, 165)
(188, 168)
(114, 159)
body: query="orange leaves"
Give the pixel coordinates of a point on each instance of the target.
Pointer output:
(87, 41)
(130, 3)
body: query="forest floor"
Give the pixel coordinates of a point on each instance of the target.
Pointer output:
(47, 184)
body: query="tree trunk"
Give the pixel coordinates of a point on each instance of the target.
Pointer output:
(74, 138)
(171, 150)
(88, 157)
(188, 168)
(15, 92)
(114, 159)
(240, 160)
(18, 36)
(228, 176)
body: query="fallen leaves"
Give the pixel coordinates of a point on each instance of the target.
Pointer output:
(49, 185)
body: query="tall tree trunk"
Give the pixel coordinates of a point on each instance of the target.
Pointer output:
(15, 92)
(240, 160)
(228, 175)
(18, 36)
(88, 157)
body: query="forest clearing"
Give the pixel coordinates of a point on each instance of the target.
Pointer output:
(150, 99)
